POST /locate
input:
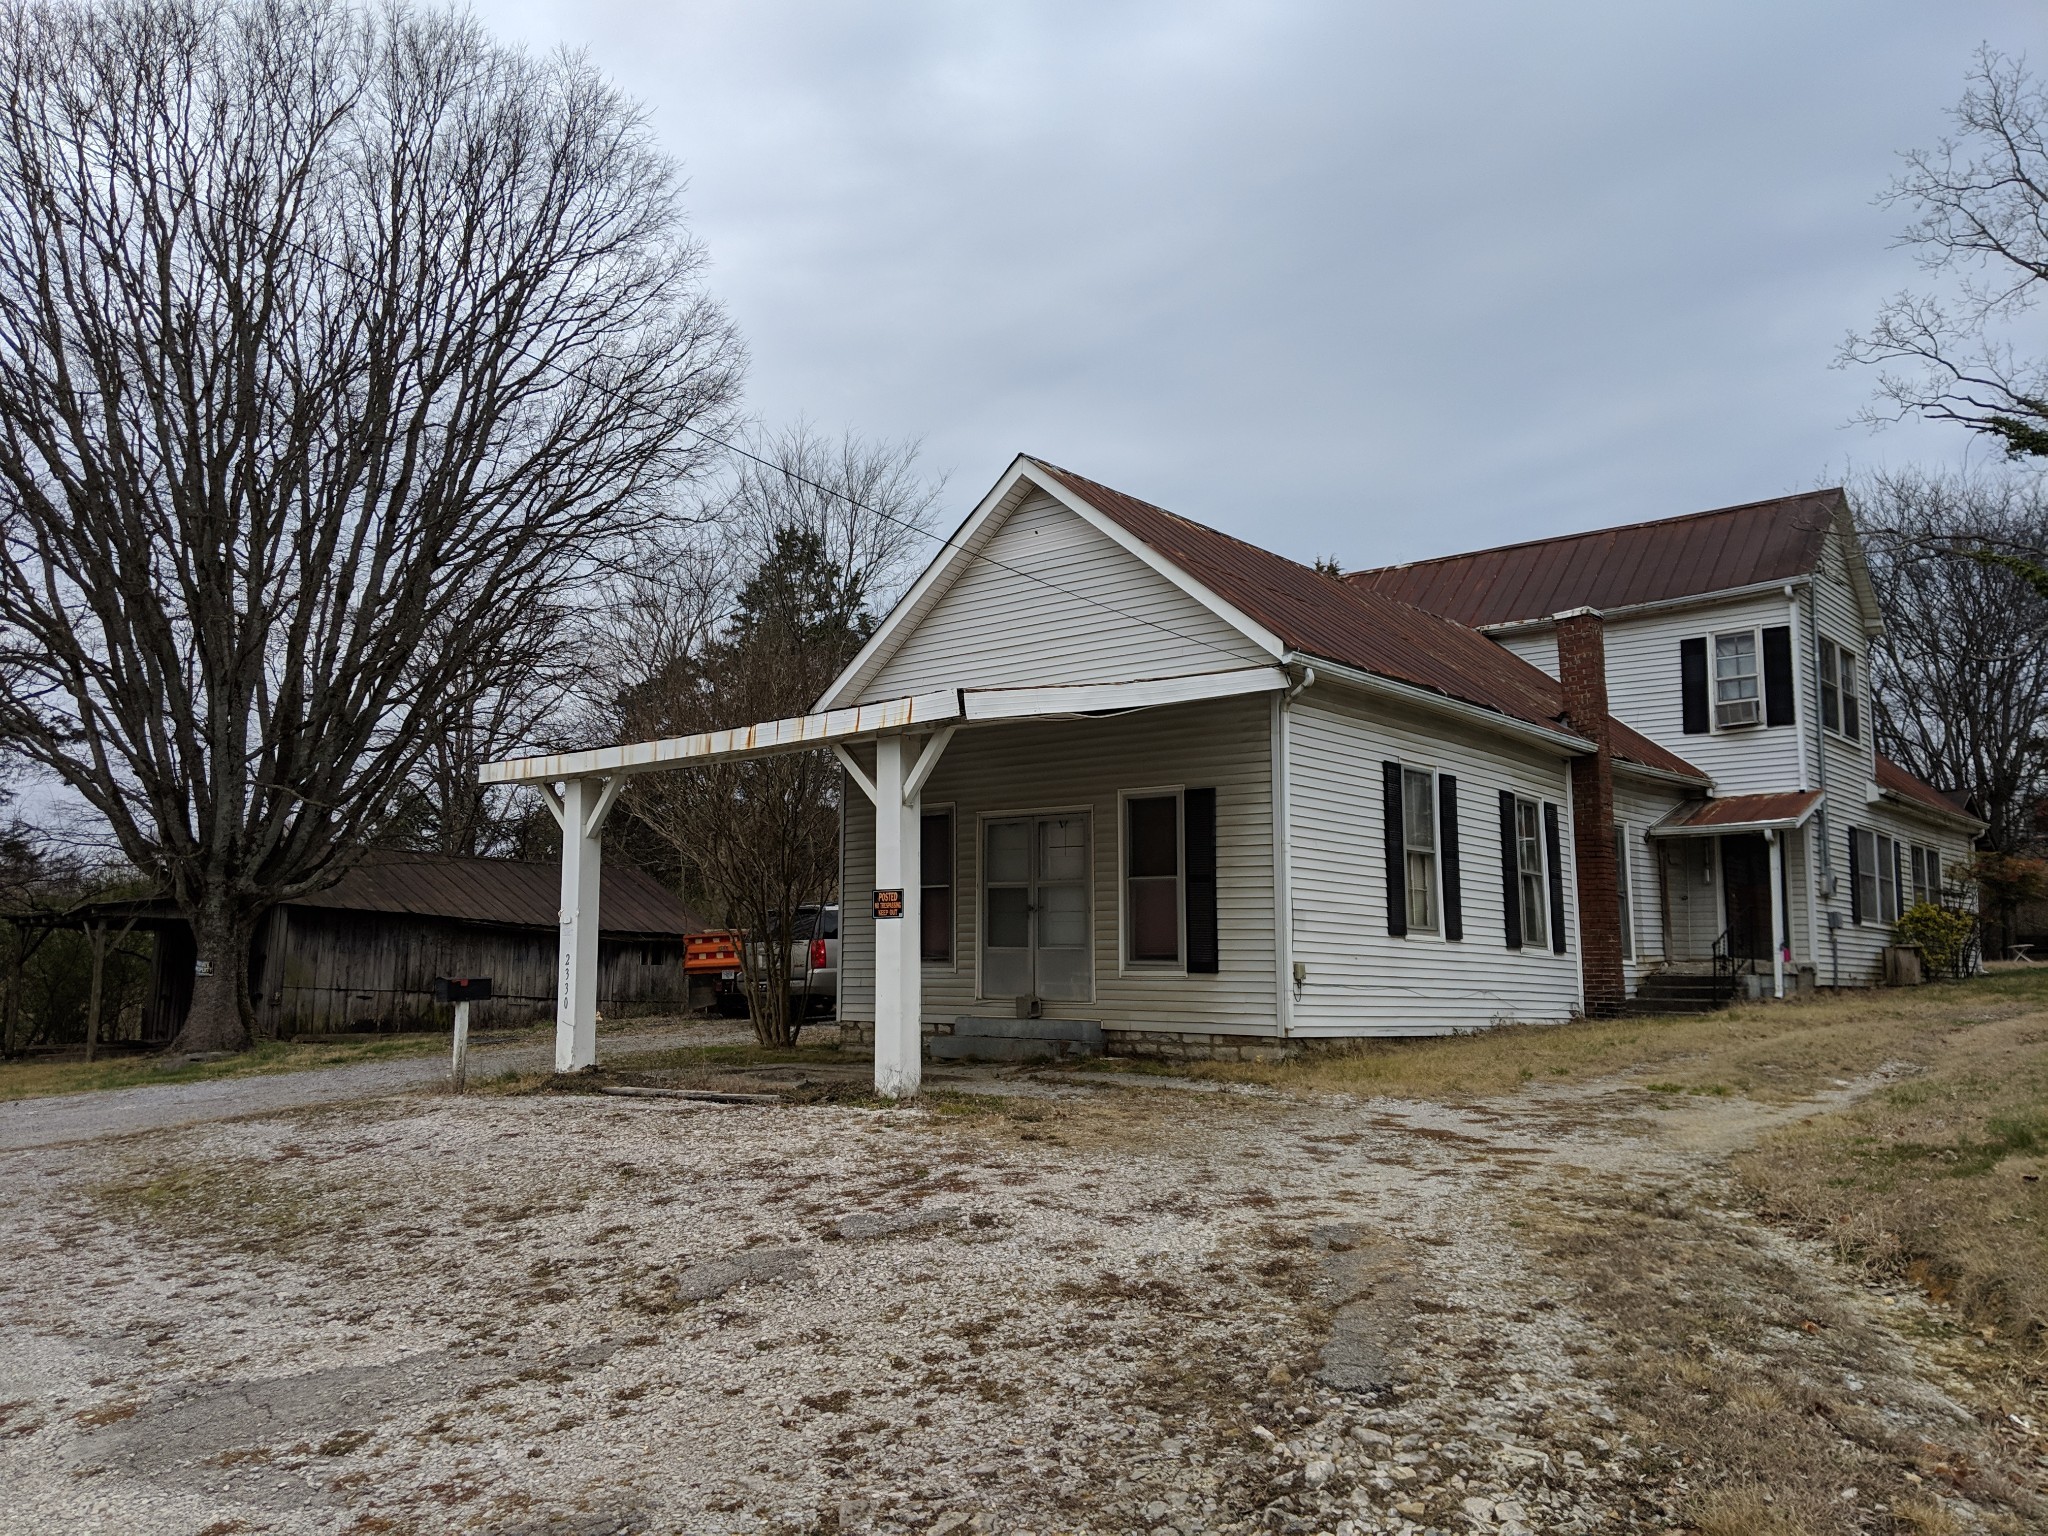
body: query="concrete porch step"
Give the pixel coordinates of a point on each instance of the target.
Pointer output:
(1683, 992)
(1017, 1040)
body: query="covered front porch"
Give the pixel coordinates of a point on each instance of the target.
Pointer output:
(1057, 851)
(1728, 868)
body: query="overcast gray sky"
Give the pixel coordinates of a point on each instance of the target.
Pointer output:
(1377, 280)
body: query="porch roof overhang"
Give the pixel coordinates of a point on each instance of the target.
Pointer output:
(941, 709)
(1739, 813)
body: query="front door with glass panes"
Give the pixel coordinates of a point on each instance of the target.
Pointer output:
(1035, 930)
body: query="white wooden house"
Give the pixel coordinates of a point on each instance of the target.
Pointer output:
(1384, 820)
(1111, 767)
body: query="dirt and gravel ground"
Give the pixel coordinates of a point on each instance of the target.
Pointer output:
(60, 1118)
(1061, 1304)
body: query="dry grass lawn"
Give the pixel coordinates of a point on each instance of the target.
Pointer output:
(1938, 1178)
(1770, 1051)
(39, 1079)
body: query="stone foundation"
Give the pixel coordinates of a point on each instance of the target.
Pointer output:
(1147, 1044)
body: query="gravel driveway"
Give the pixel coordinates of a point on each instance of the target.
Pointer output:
(1113, 1309)
(64, 1118)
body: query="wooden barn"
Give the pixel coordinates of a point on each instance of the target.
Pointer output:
(363, 954)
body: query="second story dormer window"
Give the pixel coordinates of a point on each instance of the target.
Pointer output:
(1840, 710)
(1738, 699)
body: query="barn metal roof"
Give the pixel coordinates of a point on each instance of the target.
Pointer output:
(506, 892)
(1357, 627)
(1672, 558)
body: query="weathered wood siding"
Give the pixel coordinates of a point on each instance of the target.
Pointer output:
(350, 970)
(1085, 764)
(1110, 618)
(1360, 979)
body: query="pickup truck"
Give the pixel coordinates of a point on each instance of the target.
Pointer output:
(813, 967)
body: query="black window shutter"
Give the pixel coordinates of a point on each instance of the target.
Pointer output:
(1510, 871)
(1554, 849)
(1692, 675)
(1855, 881)
(1198, 831)
(1778, 675)
(1447, 856)
(1397, 873)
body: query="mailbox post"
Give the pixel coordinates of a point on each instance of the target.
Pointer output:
(461, 991)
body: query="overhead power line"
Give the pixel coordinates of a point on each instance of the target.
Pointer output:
(944, 541)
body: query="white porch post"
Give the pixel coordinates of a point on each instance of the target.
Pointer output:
(1776, 839)
(583, 808)
(899, 1035)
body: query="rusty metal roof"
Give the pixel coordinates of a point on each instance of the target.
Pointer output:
(1890, 776)
(1356, 627)
(1738, 813)
(1610, 568)
(505, 892)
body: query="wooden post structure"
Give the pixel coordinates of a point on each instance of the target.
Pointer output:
(461, 991)
(96, 933)
(461, 1065)
(1779, 939)
(899, 1029)
(581, 810)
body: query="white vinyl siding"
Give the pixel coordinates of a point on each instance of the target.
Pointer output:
(1358, 979)
(1644, 689)
(1860, 947)
(1108, 617)
(1088, 764)
(1638, 806)
(1538, 647)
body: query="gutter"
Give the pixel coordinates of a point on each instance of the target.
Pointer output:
(1441, 703)
(1933, 813)
(1661, 775)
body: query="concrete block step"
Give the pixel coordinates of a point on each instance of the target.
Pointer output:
(1078, 1031)
(1000, 1048)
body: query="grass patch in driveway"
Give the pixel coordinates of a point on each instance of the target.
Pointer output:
(1942, 1178)
(1772, 1404)
(40, 1079)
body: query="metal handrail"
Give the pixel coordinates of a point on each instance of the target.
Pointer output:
(1728, 964)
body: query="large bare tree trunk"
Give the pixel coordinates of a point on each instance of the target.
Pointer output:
(339, 347)
(218, 1019)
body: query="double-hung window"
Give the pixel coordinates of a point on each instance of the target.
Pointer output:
(1738, 693)
(1530, 873)
(1926, 875)
(1152, 879)
(1418, 843)
(1840, 711)
(1877, 877)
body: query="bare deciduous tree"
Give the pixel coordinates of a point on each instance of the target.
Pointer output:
(334, 344)
(866, 502)
(751, 622)
(1962, 672)
(1981, 196)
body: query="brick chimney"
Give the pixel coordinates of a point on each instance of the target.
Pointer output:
(1582, 673)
